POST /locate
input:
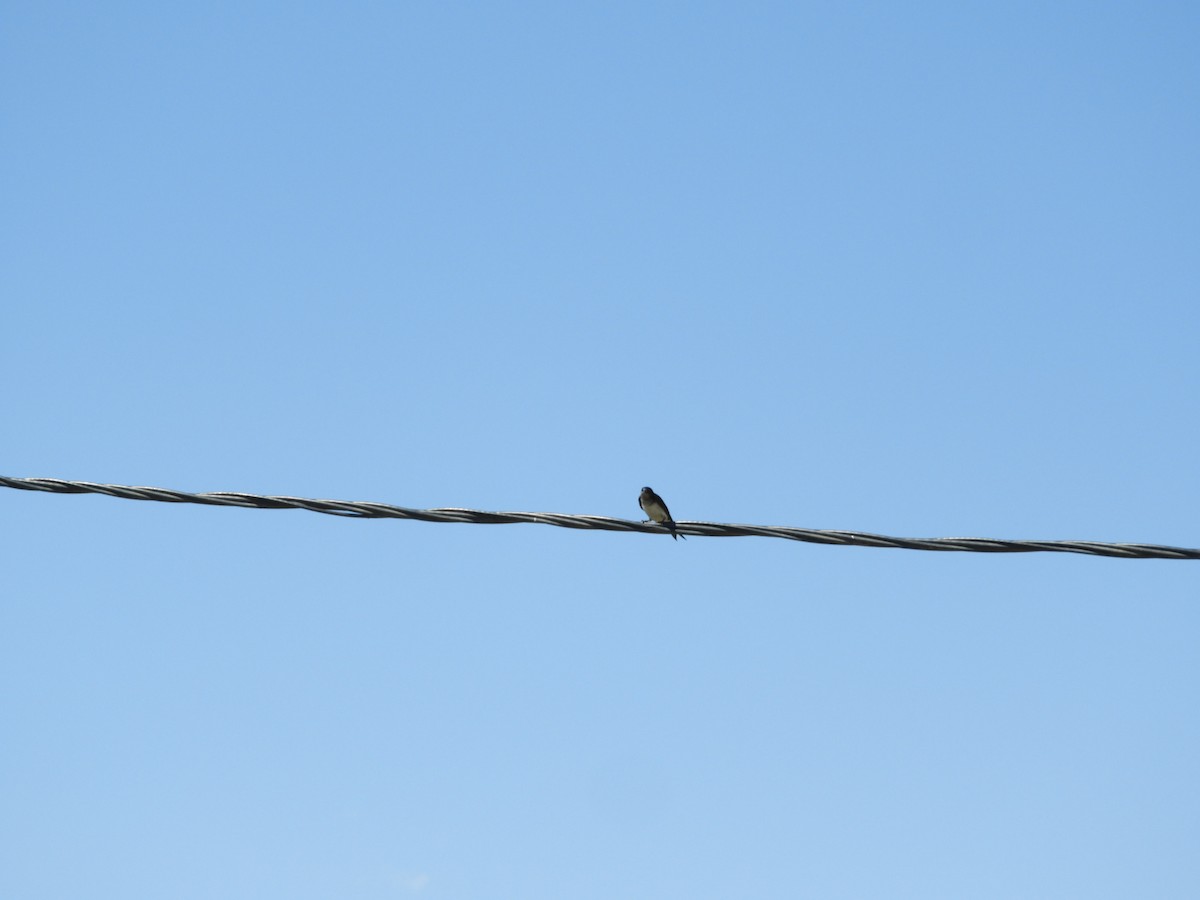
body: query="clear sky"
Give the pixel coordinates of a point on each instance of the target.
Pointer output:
(924, 269)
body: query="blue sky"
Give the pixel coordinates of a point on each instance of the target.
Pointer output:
(919, 269)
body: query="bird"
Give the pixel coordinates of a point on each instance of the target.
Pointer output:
(653, 506)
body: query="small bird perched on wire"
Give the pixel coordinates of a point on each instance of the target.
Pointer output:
(653, 506)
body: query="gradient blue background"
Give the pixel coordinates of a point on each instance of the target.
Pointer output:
(923, 269)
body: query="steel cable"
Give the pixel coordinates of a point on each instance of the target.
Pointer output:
(370, 510)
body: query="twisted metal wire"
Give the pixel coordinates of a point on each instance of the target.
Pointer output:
(369, 510)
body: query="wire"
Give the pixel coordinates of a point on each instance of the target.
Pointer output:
(368, 510)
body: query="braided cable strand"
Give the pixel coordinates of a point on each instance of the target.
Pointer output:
(368, 510)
